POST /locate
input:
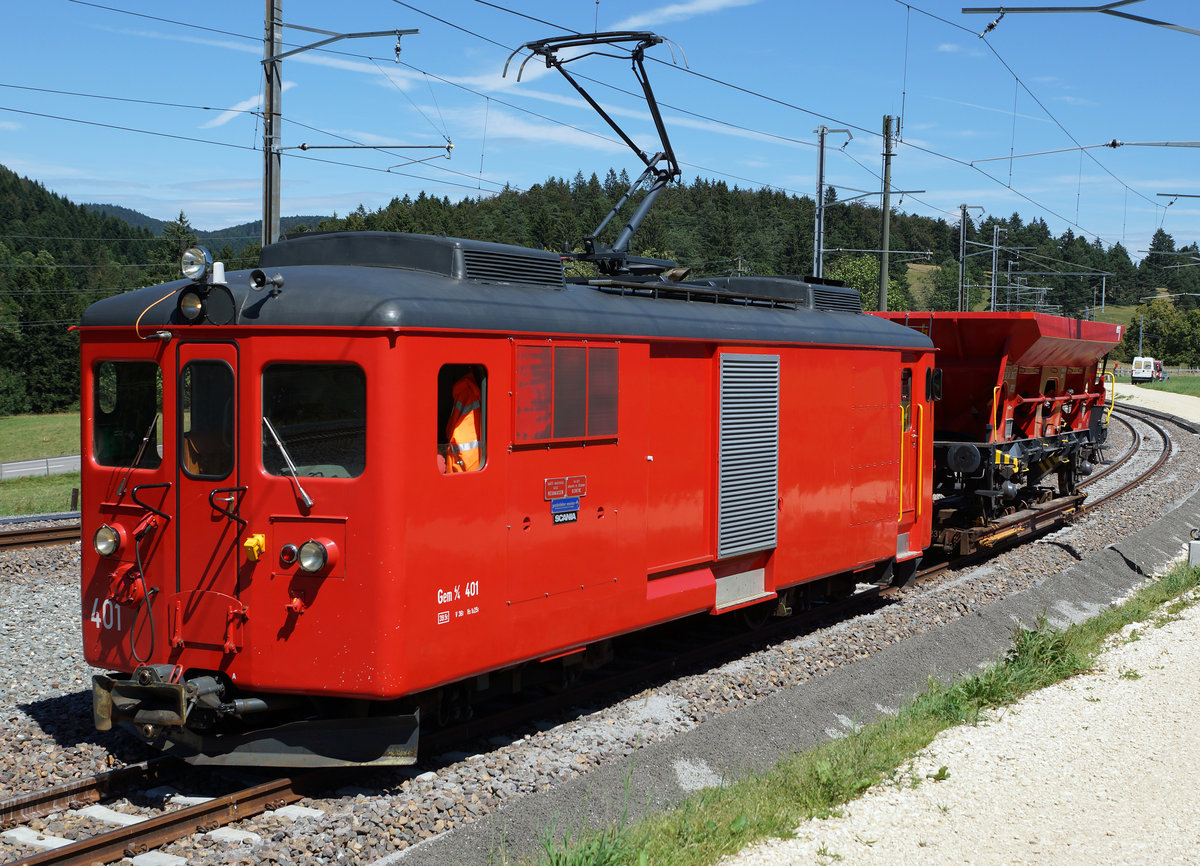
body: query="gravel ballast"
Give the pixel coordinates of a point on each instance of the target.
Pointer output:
(1102, 768)
(525, 781)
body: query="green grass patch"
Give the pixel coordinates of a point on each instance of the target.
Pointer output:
(719, 821)
(28, 437)
(1189, 385)
(40, 494)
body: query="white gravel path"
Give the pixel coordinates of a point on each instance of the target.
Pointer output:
(1103, 768)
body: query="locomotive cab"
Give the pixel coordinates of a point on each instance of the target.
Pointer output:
(389, 473)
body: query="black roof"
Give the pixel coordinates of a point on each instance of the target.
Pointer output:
(382, 279)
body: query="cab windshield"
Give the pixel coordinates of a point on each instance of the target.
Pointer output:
(319, 413)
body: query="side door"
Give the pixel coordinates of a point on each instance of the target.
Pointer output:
(205, 611)
(911, 422)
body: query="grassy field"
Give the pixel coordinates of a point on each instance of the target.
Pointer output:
(1189, 385)
(27, 437)
(720, 821)
(41, 494)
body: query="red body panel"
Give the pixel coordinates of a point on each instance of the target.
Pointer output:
(439, 577)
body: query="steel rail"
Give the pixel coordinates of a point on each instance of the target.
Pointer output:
(40, 536)
(162, 829)
(21, 808)
(1164, 455)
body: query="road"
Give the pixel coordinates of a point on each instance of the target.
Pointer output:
(41, 466)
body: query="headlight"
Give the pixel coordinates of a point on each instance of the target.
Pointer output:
(107, 540)
(191, 305)
(196, 263)
(313, 556)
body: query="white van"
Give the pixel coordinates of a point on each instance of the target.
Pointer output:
(1143, 370)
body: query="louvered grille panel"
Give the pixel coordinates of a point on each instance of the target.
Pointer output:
(747, 513)
(836, 300)
(493, 267)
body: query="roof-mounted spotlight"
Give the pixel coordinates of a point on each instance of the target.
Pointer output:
(208, 299)
(196, 264)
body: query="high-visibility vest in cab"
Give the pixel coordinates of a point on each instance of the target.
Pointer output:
(465, 451)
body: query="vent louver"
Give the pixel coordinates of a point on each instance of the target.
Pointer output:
(490, 266)
(747, 512)
(836, 300)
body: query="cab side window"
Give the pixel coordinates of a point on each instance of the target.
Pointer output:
(127, 403)
(461, 418)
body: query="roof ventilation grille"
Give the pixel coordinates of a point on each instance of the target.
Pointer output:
(837, 300)
(490, 266)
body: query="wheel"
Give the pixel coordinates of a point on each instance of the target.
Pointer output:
(755, 616)
(1066, 481)
(905, 573)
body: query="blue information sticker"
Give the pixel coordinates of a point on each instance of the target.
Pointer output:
(561, 506)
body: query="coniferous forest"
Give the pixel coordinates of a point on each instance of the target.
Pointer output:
(56, 257)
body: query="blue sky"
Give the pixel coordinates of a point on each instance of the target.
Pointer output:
(766, 73)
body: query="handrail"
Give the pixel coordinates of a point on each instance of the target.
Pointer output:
(900, 516)
(1112, 401)
(995, 398)
(920, 462)
(139, 488)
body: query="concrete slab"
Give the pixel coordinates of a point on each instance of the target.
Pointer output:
(233, 835)
(158, 858)
(34, 839)
(294, 812)
(110, 816)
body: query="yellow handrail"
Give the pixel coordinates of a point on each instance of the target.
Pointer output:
(920, 475)
(998, 422)
(1112, 401)
(904, 438)
(900, 516)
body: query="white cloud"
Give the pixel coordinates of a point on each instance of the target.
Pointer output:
(1007, 111)
(10, 124)
(503, 125)
(949, 48)
(250, 103)
(1076, 100)
(678, 12)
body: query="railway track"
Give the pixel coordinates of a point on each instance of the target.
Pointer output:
(142, 834)
(40, 536)
(668, 653)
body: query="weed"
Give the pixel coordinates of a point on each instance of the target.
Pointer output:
(824, 851)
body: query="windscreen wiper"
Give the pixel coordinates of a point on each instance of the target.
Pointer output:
(302, 496)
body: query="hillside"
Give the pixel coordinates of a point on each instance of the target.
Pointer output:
(134, 218)
(56, 257)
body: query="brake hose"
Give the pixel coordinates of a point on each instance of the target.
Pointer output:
(147, 595)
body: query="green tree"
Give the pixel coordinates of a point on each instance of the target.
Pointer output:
(862, 273)
(176, 237)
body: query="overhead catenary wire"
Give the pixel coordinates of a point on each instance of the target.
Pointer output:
(1033, 201)
(825, 117)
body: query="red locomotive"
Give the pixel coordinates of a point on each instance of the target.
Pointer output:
(281, 546)
(385, 474)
